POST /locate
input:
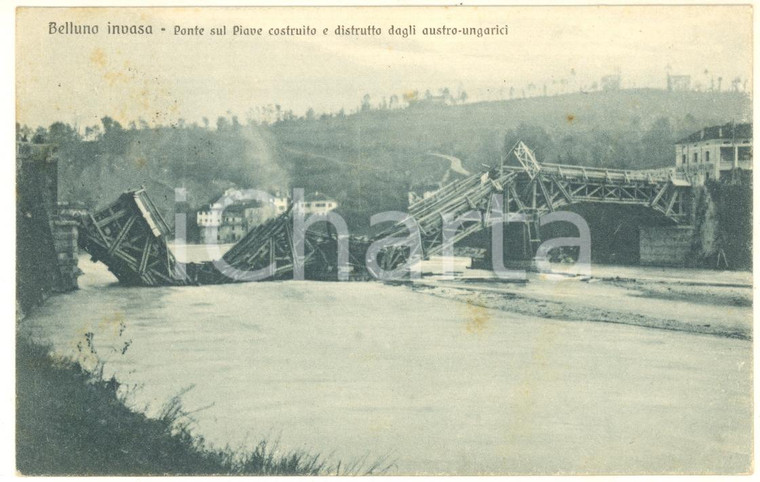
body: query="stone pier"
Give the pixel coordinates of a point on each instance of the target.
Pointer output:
(46, 243)
(665, 245)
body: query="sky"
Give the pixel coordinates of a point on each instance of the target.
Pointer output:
(163, 77)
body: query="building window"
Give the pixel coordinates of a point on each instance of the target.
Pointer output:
(696, 158)
(707, 156)
(683, 158)
(726, 154)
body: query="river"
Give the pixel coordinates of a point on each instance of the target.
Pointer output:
(365, 370)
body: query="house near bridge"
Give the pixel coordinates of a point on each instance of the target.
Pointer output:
(716, 150)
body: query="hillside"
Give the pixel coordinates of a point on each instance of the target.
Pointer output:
(368, 160)
(378, 154)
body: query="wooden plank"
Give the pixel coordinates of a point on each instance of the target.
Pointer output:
(145, 255)
(122, 234)
(659, 195)
(108, 220)
(100, 231)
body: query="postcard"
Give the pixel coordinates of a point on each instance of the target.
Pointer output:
(384, 240)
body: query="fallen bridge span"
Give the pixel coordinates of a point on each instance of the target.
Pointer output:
(130, 235)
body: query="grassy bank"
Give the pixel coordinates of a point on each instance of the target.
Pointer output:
(71, 422)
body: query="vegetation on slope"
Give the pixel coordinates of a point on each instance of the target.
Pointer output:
(368, 160)
(71, 422)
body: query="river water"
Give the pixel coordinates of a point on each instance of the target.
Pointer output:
(365, 370)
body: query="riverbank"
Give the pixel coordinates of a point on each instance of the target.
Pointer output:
(369, 370)
(720, 305)
(71, 422)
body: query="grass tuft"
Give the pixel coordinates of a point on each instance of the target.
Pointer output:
(70, 421)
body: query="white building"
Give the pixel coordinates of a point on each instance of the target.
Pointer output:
(209, 215)
(715, 150)
(280, 203)
(230, 218)
(209, 219)
(317, 204)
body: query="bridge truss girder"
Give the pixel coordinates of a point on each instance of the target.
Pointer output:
(533, 190)
(549, 192)
(130, 235)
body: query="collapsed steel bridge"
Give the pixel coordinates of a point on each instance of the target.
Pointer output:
(130, 236)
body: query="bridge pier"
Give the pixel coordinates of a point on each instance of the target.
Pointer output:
(46, 254)
(665, 245)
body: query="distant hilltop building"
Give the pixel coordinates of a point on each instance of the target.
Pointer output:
(414, 99)
(429, 101)
(679, 82)
(611, 82)
(717, 149)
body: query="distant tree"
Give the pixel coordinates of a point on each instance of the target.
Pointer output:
(61, 134)
(222, 124)
(463, 97)
(310, 114)
(110, 126)
(658, 143)
(735, 84)
(92, 132)
(40, 136)
(365, 103)
(23, 133)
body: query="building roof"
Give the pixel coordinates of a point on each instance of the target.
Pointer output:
(726, 131)
(235, 209)
(253, 203)
(206, 208)
(317, 196)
